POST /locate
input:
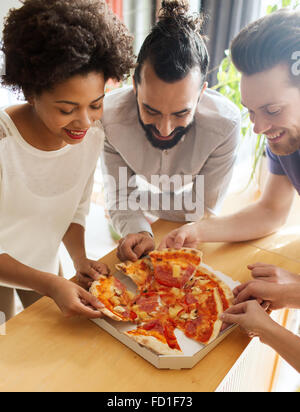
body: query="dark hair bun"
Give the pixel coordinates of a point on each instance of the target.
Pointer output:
(175, 45)
(174, 16)
(173, 8)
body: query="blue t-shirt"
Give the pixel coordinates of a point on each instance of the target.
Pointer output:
(286, 165)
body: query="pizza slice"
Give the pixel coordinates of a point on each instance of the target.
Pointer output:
(199, 320)
(174, 268)
(140, 272)
(115, 297)
(204, 279)
(146, 305)
(157, 335)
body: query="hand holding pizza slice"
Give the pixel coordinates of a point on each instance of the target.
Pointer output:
(173, 291)
(115, 298)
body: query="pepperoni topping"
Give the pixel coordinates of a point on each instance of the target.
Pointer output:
(148, 302)
(164, 276)
(173, 294)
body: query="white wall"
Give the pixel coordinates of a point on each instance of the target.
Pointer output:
(5, 5)
(6, 97)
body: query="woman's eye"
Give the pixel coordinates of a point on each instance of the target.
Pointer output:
(66, 113)
(97, 107)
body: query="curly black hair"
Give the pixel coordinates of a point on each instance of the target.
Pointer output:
(175, 45)
(48, 41)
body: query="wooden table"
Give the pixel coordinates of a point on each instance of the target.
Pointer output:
(43, 351)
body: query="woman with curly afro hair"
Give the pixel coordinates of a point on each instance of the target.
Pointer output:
(59, 54)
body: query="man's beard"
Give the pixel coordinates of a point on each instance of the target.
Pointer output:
(149, 129)
(288, 148)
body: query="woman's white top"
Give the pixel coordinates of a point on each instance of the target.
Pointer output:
(42, 193)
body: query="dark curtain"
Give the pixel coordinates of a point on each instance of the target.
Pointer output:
(225, 18)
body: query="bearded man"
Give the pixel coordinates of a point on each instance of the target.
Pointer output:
(168, 127)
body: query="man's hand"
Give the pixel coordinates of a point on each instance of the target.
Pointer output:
(271, 273)
(74, 300)
(185, 236)
(87, 271)
(134, 246)
(272, 294)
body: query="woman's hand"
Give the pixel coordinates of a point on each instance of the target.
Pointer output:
(74, 300)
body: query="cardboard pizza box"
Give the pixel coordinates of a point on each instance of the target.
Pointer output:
(193, 351)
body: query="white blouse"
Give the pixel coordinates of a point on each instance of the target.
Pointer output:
(42, 193)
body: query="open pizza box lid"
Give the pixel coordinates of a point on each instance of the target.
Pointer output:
(193, 351)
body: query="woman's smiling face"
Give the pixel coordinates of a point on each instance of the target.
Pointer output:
(274, 103)
(69, 109)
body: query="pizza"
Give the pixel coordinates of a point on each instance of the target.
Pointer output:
(173, 268)
(115, 297)
(173, 291)
(157, 334)
(141, 271)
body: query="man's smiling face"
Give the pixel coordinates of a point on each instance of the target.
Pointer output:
(274, 105)
(167, 110)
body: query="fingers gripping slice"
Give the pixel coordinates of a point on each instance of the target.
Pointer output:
(174, 291)
(115, 297)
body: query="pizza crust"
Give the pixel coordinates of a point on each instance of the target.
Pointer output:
(194, 252)
(218, 323)
(142, 274)
(226, 289)
(154, 344)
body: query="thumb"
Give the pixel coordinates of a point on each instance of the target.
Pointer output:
(230, 318)
(92, 300)
(163, 244)
(179, 241)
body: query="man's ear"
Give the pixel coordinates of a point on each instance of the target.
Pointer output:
(134, 85)
(205, 86)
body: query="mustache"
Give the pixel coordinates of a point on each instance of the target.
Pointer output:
(156, 131)
(159, 144)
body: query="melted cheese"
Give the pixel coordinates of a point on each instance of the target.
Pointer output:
(176, 271)
(173, 311)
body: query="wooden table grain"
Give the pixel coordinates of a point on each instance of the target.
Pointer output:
(43, 351)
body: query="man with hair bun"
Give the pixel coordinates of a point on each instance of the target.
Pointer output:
(168, 124)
